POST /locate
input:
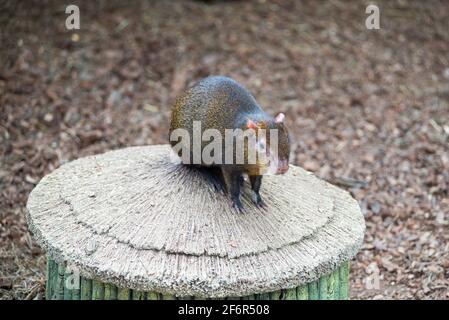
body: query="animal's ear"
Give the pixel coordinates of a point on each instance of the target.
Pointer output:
(250, 124)
(279, 118)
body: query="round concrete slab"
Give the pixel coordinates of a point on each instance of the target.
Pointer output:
(134, 218)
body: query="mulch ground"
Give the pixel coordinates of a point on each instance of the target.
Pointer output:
(368, 110)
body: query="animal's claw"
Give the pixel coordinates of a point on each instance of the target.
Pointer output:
(257, 200)
(236, 204)
(262, 204)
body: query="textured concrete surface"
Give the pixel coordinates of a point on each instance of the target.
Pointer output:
(133, 218)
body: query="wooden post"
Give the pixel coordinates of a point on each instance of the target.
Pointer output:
(124, 218)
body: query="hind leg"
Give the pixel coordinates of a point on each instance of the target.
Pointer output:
(214, 176)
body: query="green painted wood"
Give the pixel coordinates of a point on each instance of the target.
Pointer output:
(332, 286)
(138, 295)
(86, 289)
(276, 295)
(152, 296)
(313, 292)
(58, 293)
(289, 294)
(54, 281)
(68, 285)
(322, 288)
(336, 284)
(97, 290)
(123, 294)
(76, 292)
(302, 293)
(344, 281)
(110, 292)
(263, 296)
(49, 287)
(71, 284)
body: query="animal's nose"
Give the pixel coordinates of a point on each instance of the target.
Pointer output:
(283, 167)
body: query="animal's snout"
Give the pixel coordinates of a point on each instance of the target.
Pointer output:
(282, 167)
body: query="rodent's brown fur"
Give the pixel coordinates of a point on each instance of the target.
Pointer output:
(221, 103)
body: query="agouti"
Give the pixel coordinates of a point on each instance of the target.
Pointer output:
(221, 104)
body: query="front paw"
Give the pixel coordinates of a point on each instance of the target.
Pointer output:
(257, 200)
(237, 204)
